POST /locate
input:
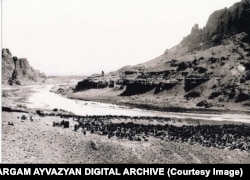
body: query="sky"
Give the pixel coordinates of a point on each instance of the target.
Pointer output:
(82, 37)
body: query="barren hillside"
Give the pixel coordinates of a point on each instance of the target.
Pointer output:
(210, 68)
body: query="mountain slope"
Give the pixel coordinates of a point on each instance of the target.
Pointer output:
(18, 70)
(209, 68)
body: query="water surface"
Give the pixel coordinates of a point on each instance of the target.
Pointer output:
(41, 97)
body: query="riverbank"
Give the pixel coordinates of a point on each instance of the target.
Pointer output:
(148, 101)
(37, 139)
(34, 98)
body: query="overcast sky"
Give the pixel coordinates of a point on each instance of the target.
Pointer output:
(81, 37)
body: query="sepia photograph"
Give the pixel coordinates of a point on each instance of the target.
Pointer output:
(125, 81)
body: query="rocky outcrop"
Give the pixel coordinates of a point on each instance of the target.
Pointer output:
(222, 24)
(137, 88)
(18, 70)
(90, 84)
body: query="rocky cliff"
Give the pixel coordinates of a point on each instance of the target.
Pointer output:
(18, 70)
(221, 25)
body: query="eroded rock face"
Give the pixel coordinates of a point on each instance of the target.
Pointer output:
(221, 24)
(18, 70)
(90, 84)
(8, 65)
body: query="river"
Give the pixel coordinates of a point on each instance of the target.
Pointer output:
(41, 97)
